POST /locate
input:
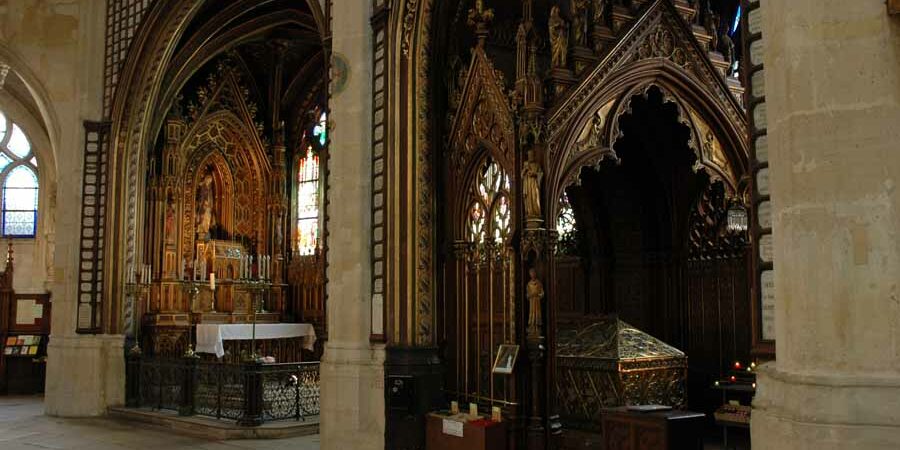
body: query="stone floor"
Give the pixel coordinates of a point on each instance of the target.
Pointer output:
(23, 426)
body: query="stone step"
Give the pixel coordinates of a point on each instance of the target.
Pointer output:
(213, 429)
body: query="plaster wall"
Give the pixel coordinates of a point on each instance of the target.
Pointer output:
(833, 98)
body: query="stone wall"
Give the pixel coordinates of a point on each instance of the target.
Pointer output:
(833, 96)
(56, 48)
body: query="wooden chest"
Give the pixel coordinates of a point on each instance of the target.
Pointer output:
(663, 430)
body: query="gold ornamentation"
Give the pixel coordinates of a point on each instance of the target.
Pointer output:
(605, 363)
(657, 32)
(534, 292)
(559, 39)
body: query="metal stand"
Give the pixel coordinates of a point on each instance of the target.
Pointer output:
(136, 291)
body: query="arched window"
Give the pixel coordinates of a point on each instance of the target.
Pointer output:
(309, 189)
(18, 176)
(492, 200)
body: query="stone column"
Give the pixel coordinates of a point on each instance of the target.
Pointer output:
(833, 97)
(352, 378)
(85, 373)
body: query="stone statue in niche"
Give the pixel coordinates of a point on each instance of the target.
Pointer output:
(559, 39)
(579, 32)
(712, 27)
(170, 218)
(726, 46)
(532, 175)
(600, 7)
(205, 210)
(534, 292)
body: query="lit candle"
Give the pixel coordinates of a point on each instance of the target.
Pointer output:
(212, 281)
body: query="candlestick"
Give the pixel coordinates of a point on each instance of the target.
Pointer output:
(212, 280)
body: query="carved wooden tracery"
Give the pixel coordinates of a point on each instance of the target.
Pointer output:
(480, 211)
(658, 51)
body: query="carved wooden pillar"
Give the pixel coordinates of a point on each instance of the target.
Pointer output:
(277, 210)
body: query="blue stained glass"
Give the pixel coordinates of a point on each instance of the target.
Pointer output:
(737, 21)
(321, 130)
(20, 201)
(19, 223)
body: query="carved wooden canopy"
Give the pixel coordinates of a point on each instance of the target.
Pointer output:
(659, 50)
(482, 126)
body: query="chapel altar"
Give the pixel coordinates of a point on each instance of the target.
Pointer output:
(216, 251)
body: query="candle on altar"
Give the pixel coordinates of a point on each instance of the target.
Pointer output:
(212, 281)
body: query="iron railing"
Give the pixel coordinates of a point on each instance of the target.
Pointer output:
(249, 393)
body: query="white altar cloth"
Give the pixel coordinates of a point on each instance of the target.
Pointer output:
(210, 336)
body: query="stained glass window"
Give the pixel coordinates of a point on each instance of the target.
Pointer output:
(565, 224)
(566, 227)
(19, 178)
(492, 201)
(308, 192)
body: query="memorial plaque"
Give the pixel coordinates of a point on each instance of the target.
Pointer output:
(760, 116)
(764, 214)
(762, 149)
(762, 182)
(377, 314)
(758, 82)
(754, 21)
(757, 52)
(765, 248)
(84, 316)
(767, 315)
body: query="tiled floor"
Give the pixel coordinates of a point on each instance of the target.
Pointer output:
(23, 426)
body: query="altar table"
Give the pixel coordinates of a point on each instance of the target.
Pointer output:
(210, 336)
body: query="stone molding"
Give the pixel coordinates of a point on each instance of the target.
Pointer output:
(833, 399)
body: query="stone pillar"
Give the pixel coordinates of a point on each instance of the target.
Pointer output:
(85, 373)
(833, 98)
(352, 378)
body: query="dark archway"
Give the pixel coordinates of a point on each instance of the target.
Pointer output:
(650, 247)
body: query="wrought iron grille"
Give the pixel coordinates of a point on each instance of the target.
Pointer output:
(248, 393)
